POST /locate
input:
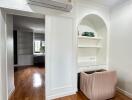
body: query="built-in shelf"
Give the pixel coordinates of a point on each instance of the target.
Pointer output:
(94, 67)
(85, 37)
(89, 46)
(85, 64)
(92, 50)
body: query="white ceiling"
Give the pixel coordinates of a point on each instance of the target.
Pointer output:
(28, 23)
(110, 3)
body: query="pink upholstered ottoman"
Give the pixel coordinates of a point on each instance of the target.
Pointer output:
(98, 85)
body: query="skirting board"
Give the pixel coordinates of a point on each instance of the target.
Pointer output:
(124, 92)
(10, 94)
(61, 95)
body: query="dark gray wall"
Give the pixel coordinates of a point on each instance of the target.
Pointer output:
(25, 47)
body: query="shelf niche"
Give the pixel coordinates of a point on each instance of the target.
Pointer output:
(92, 50)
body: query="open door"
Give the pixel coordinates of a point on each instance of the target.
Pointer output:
(60, 69)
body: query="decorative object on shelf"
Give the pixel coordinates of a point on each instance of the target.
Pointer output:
(89, 34)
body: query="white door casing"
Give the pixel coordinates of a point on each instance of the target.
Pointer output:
(3, 53)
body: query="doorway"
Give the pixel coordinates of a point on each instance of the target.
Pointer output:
(28, 58)
(60, 45)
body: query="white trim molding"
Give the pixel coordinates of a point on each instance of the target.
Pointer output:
(3, 54)
(125, 92)
(11, 92)
(63, 94)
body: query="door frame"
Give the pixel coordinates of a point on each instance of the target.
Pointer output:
(3, 71)
(3, 51)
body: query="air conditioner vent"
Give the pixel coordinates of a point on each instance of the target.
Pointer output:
(52, 4)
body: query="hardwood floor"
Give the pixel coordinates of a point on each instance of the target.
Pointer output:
(80, 96)
(29, 85)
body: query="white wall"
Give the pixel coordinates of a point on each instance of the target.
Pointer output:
(80, 9)
(120, 45)
(61, 72)
(84, 7)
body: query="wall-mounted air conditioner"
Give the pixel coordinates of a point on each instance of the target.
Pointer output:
(54, 4)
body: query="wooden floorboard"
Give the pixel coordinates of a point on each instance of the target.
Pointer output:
(29, 85)
(80, 96)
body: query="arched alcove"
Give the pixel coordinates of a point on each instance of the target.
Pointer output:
(92, 50)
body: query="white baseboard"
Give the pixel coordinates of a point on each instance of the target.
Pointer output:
(125, 92)
(61, 95)
(11, 92)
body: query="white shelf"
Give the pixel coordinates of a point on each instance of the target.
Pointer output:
(86, 37)
(90, 68)
(89, 46)
(87, 63)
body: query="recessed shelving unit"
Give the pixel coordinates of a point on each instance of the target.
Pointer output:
(92, 50)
